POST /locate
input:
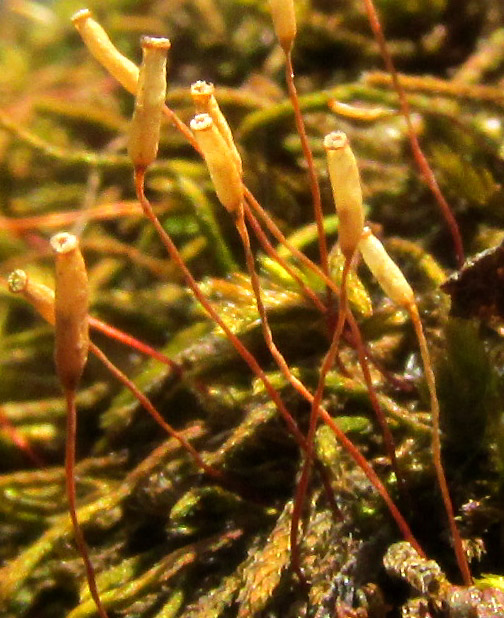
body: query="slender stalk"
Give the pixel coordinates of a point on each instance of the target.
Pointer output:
(314, 415)
(304, 392)
(266, 329)
(373, 478)
(144, 348)
(436, 448)
(380, 416)
(420, 159)
(145, 402)
(394, 284)
(277, 233)
(235, 342)
(71, 437)
(273, 253)
(314, 184)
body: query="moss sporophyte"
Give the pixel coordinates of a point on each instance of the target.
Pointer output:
(259, 353)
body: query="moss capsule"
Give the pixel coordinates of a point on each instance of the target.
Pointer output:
(284, 22)
(102, 48)
(71, 310)
(150, 98)
(206, 103)
(220, 163)
(346, 188)
(37, 294)
(385, 270)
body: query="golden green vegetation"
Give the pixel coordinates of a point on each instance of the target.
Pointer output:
(165, 538)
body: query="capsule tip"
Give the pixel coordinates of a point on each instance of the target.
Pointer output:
(63, 242)
(155, 42)
(335, 140)
(201, 122)
(202, 88)
(17, 281)
(80, 15)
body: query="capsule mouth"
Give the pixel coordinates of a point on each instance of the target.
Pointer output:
(17, 281)
(81, 15)
(155, 42)
(201, 122)
(63, 242)
(335, 140)
(202, 88)
(366, 232)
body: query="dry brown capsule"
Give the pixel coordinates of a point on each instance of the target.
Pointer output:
(205, 102)
(386, 271)
(284, 21)
(346, 188)
(150, 98)
(37, 294)
(102, 48)
(219, 160)
(71, 310)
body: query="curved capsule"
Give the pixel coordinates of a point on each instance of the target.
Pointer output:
(346, 188)
(149, 101)
(385, 270)
(37, 294)
(220, 163)
(102, 48)
(71, 310)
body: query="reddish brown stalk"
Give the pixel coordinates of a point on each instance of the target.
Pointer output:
(314, 185)
(380, 416)
(235, 342)
(277, 233)
(18, 439)
(145, 402)
(418, 154)
(271, 251)
(344, 314)
(300, 387)
(233, 339)
(266, 330)
(143, 348)
(181, 127)
(314, 415)
(374, 479)
(134, 343)
(247, 356)
(72, 501)
(436, 448)
(394, 284)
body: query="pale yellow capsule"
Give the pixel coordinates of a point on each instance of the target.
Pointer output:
(149, 101)
(346, 188)
(37, 294)
(220, 163)
(71, 310)
(385, 270)
(102, 48)
(284, 22)
(203, 95)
